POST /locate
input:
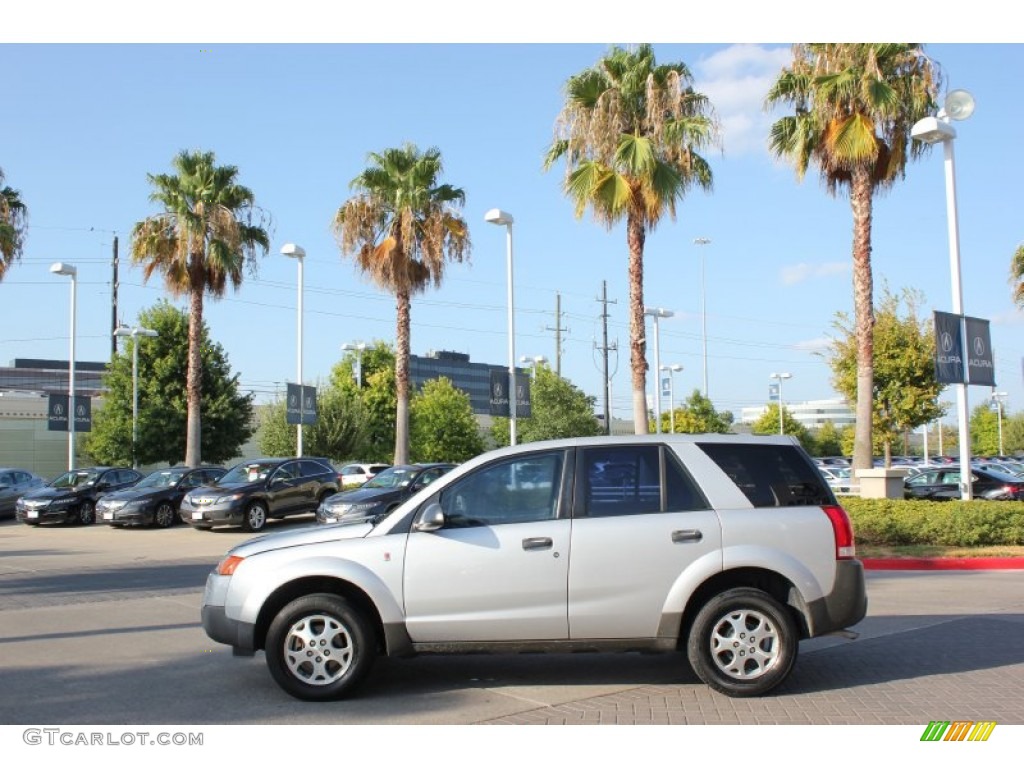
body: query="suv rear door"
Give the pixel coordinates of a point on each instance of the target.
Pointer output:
(639, 524)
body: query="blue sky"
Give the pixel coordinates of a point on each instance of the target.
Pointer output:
(299, 119)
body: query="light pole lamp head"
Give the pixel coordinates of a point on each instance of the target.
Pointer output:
(293, 251)
(498, 216)
(702, 241)
(658, 312)
(959, 105)
(60, 268)
(932, 130)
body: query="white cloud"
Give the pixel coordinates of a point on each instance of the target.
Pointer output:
(820, 344)
(736, 80)
(798, 273)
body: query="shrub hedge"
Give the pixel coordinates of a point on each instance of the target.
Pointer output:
(900, 522)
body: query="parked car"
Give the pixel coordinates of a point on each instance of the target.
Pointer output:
(72, 497)
(943, 484)
(254, 491)
(382, 493)
(1006, 467)
(838, 478)
(731, 548)
(352, 475)
(16, 482)
(155, 499)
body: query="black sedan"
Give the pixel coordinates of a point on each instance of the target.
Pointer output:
(381, 494)
(72, 497)
(155, 499)
(943, 484)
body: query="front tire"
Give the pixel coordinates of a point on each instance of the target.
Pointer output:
(164, 516)
(320, 647)
(255, 517)
(743, 642)
(86, 513)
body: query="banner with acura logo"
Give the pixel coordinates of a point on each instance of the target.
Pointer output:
(57, 413)
(950, 351)
(301, 405)
(499, 399)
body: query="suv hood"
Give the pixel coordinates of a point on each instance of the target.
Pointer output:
(223, 490)
(300, 537)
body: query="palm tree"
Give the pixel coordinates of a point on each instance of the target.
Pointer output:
(630, 132)
(13, 217)
(1017, 275)
(401, 227)
(855, 104)
(209, 230)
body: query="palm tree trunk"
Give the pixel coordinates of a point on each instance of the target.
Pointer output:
(864, 317)
(194, 379)
(402, 379)
(637, 328)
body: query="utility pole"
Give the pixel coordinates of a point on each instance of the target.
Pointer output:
(604, 350)
(558, 333)
(113, 318)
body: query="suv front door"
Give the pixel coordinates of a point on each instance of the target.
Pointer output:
(497, 569)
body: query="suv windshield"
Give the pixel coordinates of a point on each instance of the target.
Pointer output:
(75, 478)
(249, 472)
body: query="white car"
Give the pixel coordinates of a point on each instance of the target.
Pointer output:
(352, 475)
(728, 548)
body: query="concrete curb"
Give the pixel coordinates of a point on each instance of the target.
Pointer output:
(943, 563)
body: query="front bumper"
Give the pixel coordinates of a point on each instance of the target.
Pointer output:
(230, 513)
(241, 636)
(37, 516)
(143, 516)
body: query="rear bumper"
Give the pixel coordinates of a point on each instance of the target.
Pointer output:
(845, 606)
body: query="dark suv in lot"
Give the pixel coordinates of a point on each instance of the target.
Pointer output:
(252, 492)
(72, 497)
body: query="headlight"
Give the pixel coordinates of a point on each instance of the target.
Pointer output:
(59, 503)
(227, 566)
(230, 497)
(347, 510)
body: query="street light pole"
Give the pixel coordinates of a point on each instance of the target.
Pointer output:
(503, 218)
(69, 270)
(358, 348)
(657, 314)
(673, 370)
(135, 333)
(780, 377)
(703, 310)
(999, 398)
(296, 252)
(959, 105)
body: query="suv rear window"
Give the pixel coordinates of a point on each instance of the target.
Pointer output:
(771, 475)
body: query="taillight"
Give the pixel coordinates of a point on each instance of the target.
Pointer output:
(842, 531)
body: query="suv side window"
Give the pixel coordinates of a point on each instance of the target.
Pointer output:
(771, 475)
(626, 480)
(311, 468)
(520, 490)
(288, 471)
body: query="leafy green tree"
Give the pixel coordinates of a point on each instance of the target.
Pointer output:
(163, 361)
(208, 231)
(558, 409)
(905, 392)
(768, 424)
(380, 404)
(1013, 433)
(13, 221)
(985, 431)
(442, 425)
(1016, 273)
(630, 134)
(376, 356)
(828, 440)
(854, 105)
(339, 433)
(402, 227)
(698, 416)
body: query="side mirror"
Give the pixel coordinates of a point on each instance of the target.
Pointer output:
(430, 520)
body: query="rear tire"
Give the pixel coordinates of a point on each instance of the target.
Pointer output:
(320, 647)
(743, 642)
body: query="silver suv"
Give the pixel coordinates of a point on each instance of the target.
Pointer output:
(730, 548)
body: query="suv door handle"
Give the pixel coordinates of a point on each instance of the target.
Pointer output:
(681, 537)
(538, 542)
